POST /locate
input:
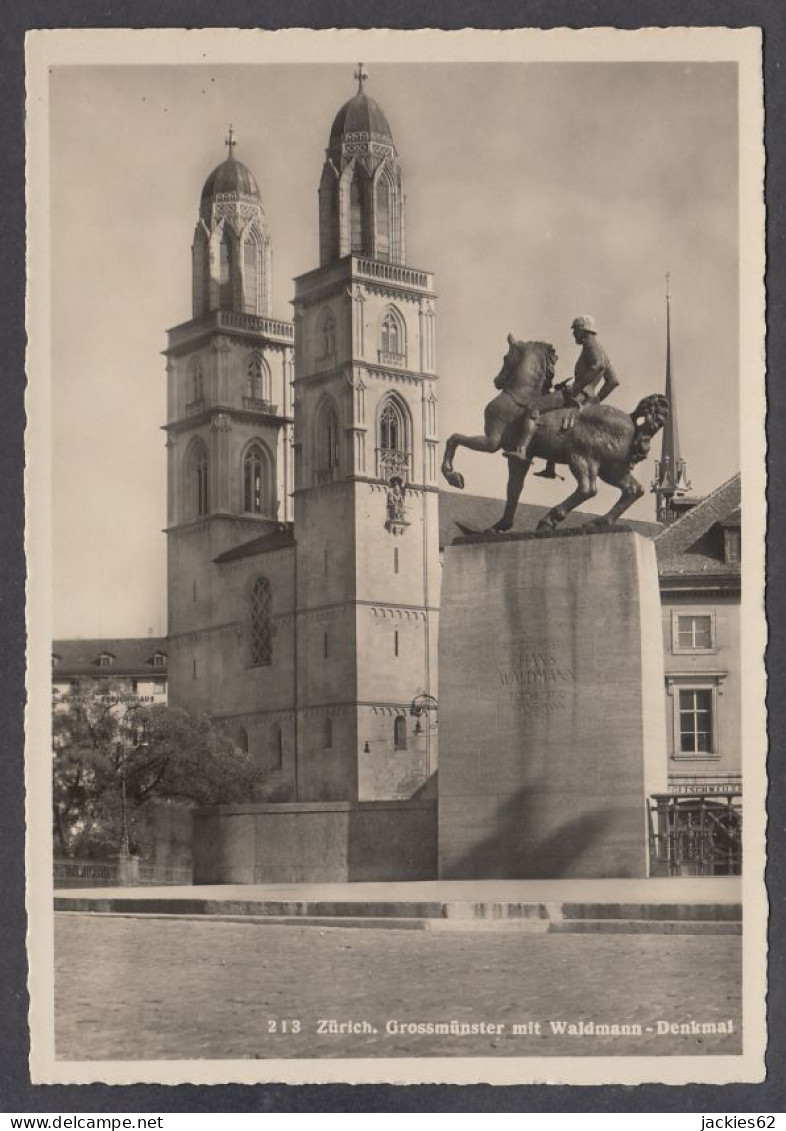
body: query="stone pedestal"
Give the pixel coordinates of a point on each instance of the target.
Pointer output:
(552, 717)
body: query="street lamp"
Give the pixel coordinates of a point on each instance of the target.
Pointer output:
(421, 705)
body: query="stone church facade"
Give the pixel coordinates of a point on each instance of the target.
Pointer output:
(303, 542)
(305, 518)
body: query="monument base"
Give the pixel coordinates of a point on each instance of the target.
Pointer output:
(552, 721)
(315, 842)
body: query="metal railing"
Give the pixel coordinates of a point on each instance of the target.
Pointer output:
(695, 835)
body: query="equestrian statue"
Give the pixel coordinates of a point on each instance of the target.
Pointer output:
(566, 424)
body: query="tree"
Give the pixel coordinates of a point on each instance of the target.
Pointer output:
(114, 755)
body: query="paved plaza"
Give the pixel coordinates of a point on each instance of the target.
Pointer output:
(136, 988)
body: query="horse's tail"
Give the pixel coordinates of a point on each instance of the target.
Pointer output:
(648, 418)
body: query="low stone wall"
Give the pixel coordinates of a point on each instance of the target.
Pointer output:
(315, 842)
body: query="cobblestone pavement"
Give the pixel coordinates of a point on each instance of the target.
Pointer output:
(148, 989)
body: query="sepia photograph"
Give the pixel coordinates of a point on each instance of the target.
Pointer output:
(396, 709)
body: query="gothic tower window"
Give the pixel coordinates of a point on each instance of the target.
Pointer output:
(357, 216)
(383, 219)
(257, 378)
(392, 337)
(196, 382)
(328, 214)
(255, 480)
(327, 442)
(327, 336)
(261, 634)
(242, 739)
(393, 443)
(197, 480)
(225, 272)
(253, 270)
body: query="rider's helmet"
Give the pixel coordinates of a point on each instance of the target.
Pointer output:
(584, 322)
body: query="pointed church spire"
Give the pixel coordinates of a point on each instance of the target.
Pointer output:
(671, 477)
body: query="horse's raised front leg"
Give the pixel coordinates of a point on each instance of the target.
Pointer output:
(585, 472)
(490, 443)
(517, 473)
(630, 489)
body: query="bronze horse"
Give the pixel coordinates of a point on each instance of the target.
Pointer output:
(596, 440)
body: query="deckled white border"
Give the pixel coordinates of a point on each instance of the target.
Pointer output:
(169, 47)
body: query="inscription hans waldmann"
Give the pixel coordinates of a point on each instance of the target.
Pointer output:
(534, 680)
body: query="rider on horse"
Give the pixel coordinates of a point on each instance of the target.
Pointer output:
(593, 365)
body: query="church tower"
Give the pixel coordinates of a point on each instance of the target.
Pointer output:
(671, 484)
(229, 421)
(366, 498)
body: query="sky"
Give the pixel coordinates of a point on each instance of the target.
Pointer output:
(535, 192)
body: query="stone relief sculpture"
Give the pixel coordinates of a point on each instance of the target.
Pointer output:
(594, 440)
(396, 510)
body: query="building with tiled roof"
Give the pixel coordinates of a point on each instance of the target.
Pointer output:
(136, 665)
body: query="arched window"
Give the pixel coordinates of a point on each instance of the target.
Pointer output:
(261, 634)
(327, 334)
(392, 337)
(400, 733)
(242, 739)
(225, 271)
(254, 480)
(257, 378)
(196, 383)
(327, 441)
(383, 219)
(197, 486)
(393, 441)
(277, 747)
(357, 218)
(252, 259)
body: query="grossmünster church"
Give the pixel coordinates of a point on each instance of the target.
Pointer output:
(305, 517)
(303, 541)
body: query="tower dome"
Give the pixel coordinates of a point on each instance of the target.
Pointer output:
(360, 198)
(361, 115)
(231, 177)
(231, 250)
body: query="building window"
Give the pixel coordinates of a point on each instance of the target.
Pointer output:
(395, 559)
(383, 219)
(393, 441)
(693, 632)
(226, 257)
(278, 748)
(196, 383)
(327, 733)
(395, 642)
(105, 660)
(392, 337)
(732, 546)
(250, 276)
(198, 487)
(261, 623)
(327, 329)
(242, 739)
(159, 660)
(696, 720)
(194, 668)
(254, 480)
(400, 733)
(327, 443)
(325, 646)
(357, 219)
(257, 378)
